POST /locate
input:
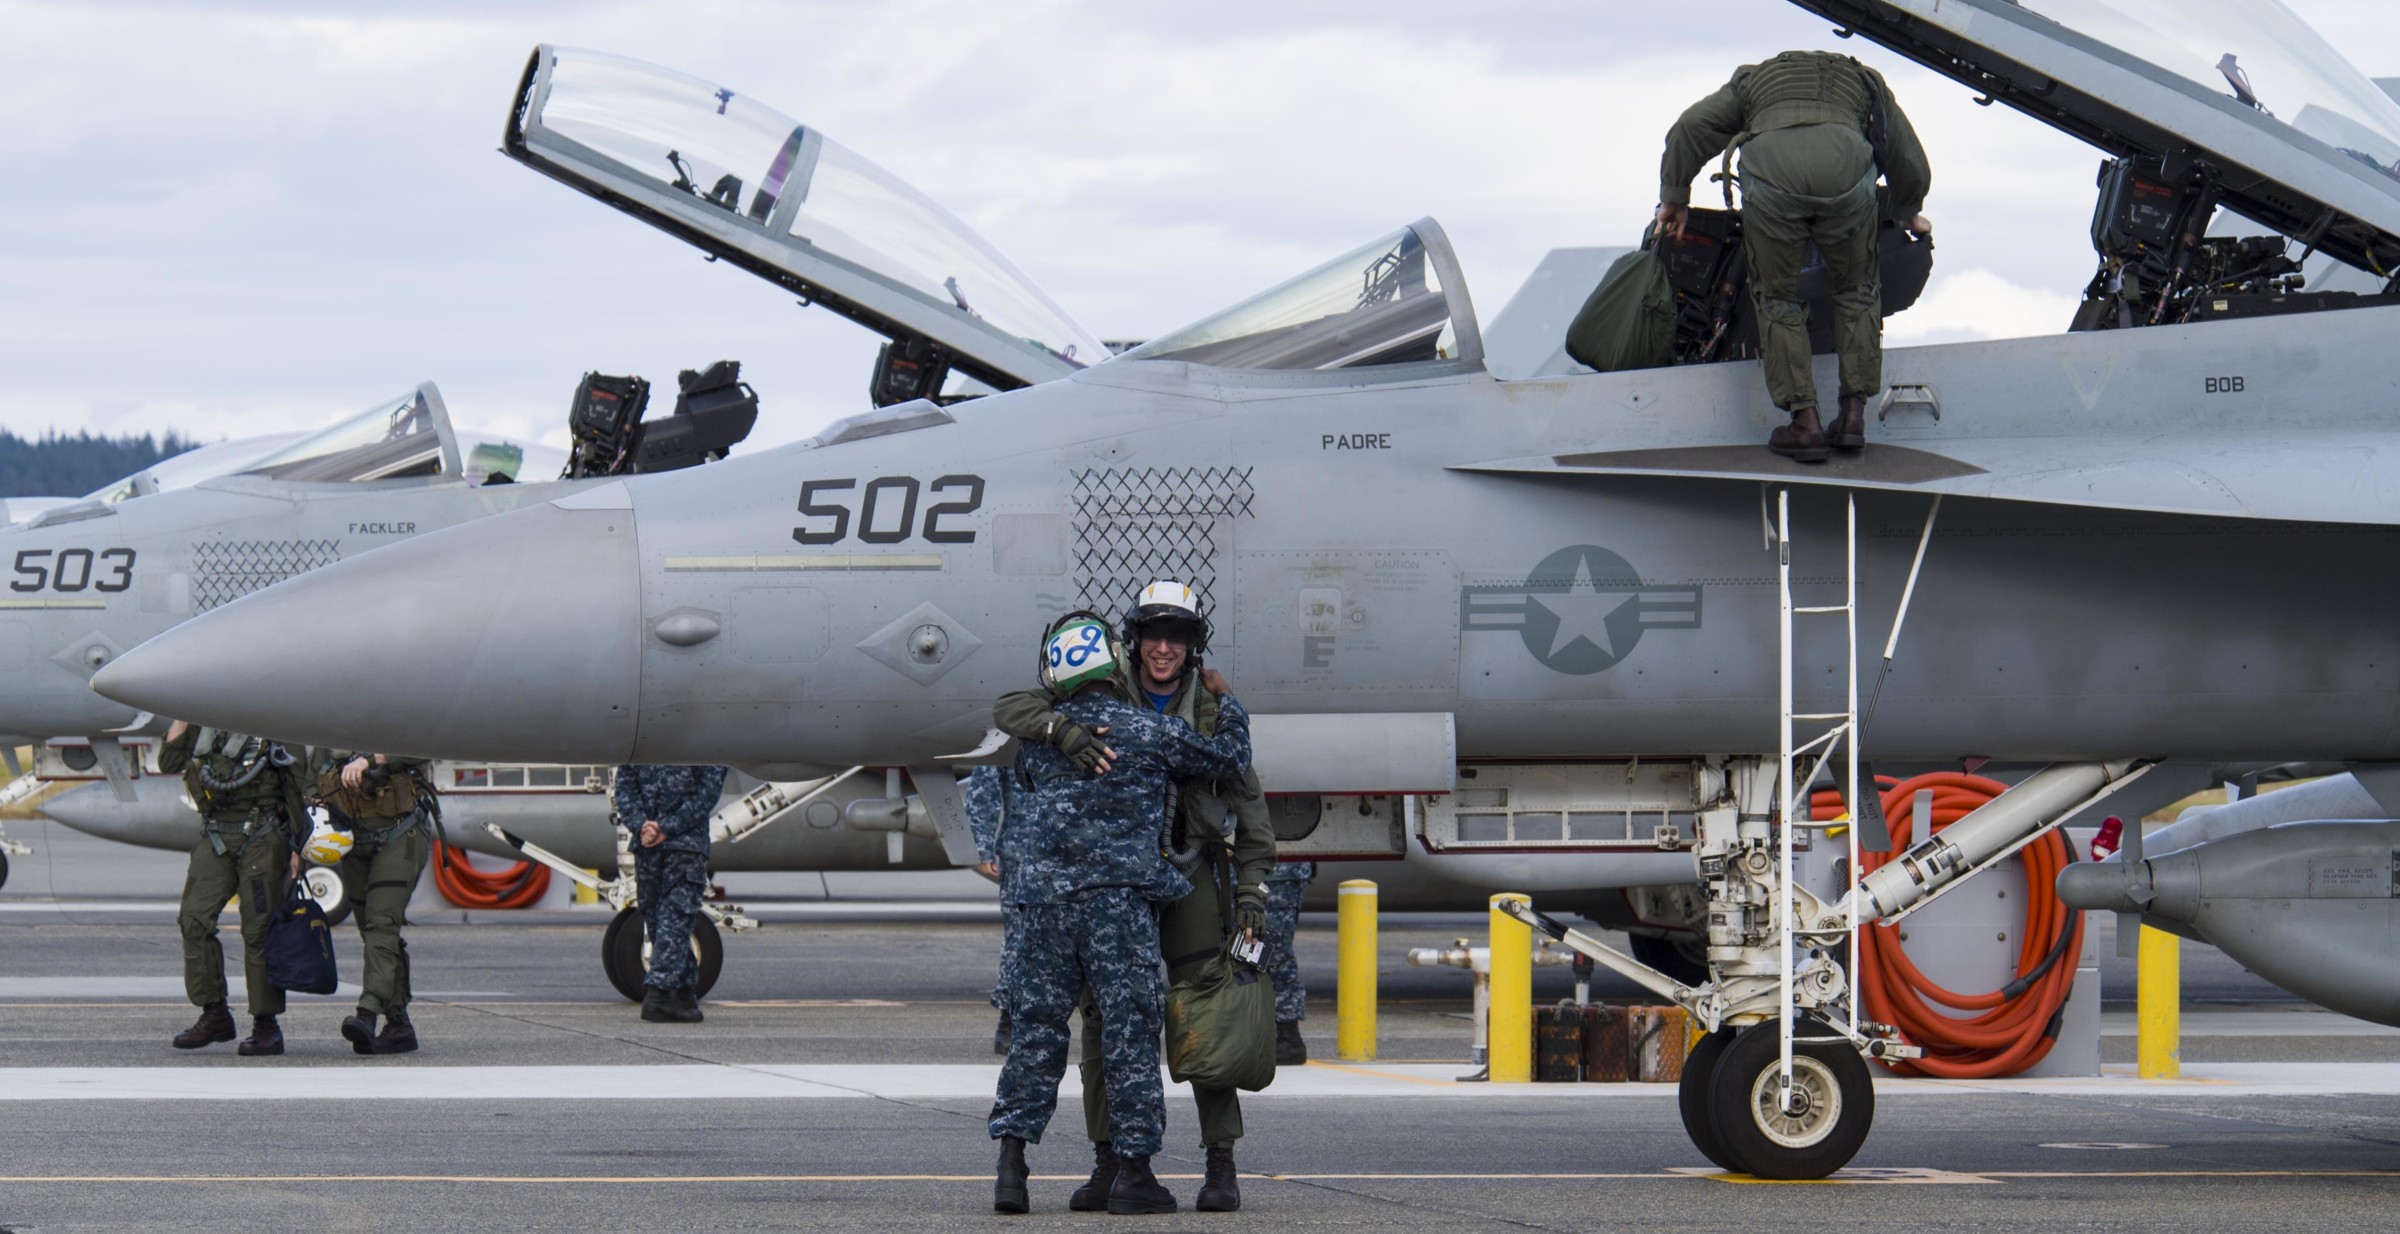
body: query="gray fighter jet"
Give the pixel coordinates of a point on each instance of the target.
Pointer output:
(1567, 613)
(89, 579)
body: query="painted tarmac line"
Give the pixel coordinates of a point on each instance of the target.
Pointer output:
(1875, 1176)
(292, 1081)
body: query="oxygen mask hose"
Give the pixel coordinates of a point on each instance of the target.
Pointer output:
(2014, 1029)
(521, 885)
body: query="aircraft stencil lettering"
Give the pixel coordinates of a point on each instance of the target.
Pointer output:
(1581, 610)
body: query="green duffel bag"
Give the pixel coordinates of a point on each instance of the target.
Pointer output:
(1221, 1026)
(1628, 321)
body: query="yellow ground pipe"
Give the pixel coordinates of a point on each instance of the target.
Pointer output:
(1354, 974)
(2158, 1035)
(1511, 1032)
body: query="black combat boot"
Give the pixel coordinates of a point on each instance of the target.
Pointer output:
(658, 1006)
(1137, 1190)
(1008, 1189)
(1001, 1035)
(398, 1035)
(1849, 432)
(214, 1025)
(687, 1001)
(1802, 440)
(1092, 1196)
(358, 1028)
(266, 1037)
(1290, 1049)
(1221, 1190)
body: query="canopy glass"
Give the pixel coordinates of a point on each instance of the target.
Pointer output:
(692, 136)
(1381, 303)
(398, 437)
(2258, 51)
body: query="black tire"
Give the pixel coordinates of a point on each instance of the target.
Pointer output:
(625, 942)
(3, 869)
(1685, 962)
(612, 960)
(339, 913)
(1691, 1098)
(1831, 1126)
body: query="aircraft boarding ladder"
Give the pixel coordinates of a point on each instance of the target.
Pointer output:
(1836, 733)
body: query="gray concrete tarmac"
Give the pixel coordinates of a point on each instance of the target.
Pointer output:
(103, 1127)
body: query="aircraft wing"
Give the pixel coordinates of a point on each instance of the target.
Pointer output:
(2250, 475)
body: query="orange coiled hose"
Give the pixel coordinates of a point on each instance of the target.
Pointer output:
(518, 886)
(2014, 1030)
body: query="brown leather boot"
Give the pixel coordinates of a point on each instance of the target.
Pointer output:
(266, 1037)
(214, 1025)
(1849, 432)
(1803, 439)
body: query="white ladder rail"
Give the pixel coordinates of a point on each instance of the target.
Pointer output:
(1841, 735)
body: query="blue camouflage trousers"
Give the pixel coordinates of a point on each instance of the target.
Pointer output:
(1283, 924)
(669, 883)
(1107, 939)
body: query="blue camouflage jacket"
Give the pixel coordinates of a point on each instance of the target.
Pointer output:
(989, 792)
(1077, 831)
(680, 798)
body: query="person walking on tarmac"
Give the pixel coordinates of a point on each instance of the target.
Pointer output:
(1286, 883)
(1814, 128)
(667, 810)
(248, 792)
(1081, 869)
(385, 807)
(1168, 634)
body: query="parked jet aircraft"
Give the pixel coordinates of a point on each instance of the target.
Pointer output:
(88, 580)
(1521, 614)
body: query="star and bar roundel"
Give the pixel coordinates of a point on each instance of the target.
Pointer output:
(1581, 610)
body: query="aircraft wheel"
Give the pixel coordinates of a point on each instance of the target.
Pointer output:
(613, 960)
(628, 953)
(1687, 964)
(1836, 1106)
(1699, 1070)
(325, 887)
(3, 869)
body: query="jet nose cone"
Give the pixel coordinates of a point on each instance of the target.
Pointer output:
(513, 637)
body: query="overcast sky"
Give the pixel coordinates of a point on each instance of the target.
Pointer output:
(240, 217)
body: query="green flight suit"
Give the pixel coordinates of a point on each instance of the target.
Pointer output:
(245, 849)
(1192, 929)
(390, 838)
(1807, 175)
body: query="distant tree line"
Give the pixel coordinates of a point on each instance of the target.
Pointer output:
(59, 465)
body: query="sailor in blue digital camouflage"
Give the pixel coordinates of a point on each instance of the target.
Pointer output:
(1081, 868)
(1221, 836)
(667, 810)
(987, 805)
(1285, 885)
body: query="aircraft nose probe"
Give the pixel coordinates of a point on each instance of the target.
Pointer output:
(515, 637)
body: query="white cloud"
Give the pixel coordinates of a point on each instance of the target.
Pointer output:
(1978, 304)
(255, 215)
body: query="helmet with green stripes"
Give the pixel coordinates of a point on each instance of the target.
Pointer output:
(1078, 650)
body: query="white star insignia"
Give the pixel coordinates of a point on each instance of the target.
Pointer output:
(1582, 611)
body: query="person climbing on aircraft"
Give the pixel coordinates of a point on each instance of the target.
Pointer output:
(1814, 129)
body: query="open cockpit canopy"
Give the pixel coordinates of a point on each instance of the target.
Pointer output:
(2239, 97)
(746, 183)
(405, 436)
(1398, 300)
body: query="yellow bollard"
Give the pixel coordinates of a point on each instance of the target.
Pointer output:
(2158, 1014)
(1354, 1022)
(1511, 1032)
